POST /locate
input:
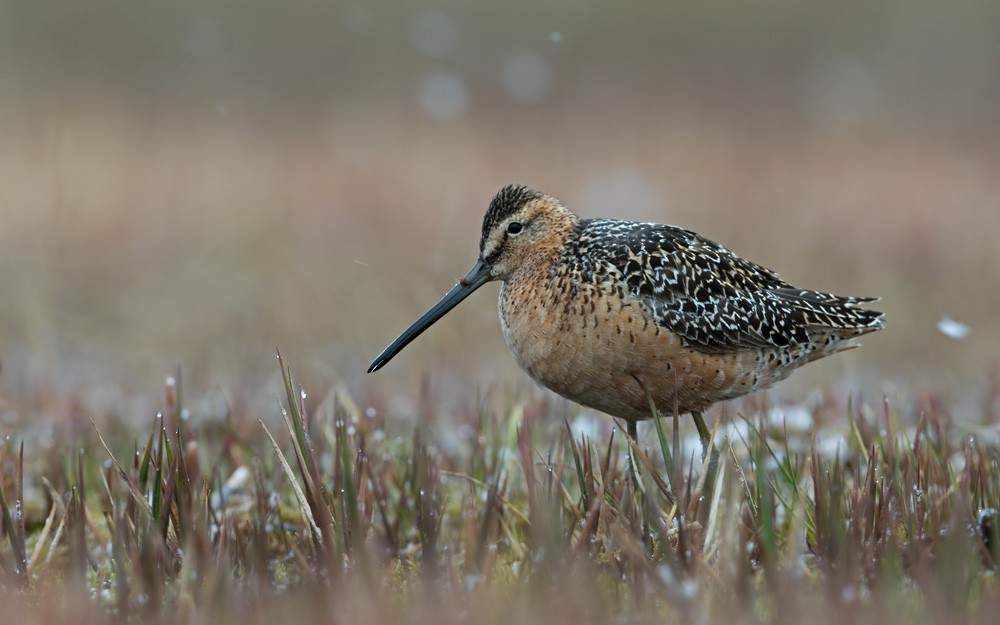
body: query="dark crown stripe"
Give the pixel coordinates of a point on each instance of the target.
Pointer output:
(505, 203)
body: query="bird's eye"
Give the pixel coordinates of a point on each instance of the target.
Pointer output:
(515, 228)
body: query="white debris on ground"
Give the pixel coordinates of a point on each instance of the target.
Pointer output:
(795, 419)
(953, 329)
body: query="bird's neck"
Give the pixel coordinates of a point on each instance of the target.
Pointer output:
(563, 228)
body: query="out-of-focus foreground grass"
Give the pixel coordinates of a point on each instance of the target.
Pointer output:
(330, 516)
(197, 184)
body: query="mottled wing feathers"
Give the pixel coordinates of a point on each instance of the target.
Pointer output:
(712, 298)
(832, 312)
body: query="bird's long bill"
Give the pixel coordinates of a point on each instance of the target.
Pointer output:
(477, 277)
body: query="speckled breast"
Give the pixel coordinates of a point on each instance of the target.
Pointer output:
(595, 345)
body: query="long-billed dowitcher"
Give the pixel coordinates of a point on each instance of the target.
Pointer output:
(613, 314)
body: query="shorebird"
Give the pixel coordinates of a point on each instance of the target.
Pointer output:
(618, 315)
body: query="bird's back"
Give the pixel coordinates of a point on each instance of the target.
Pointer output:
(712, 298)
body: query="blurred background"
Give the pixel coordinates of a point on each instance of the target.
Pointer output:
(198, 183)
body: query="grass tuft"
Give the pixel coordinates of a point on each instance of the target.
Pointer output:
(512, 519)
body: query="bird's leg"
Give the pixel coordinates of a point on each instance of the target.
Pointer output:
(703, 433)
(713, 466)
(633, 433)
(638, 492)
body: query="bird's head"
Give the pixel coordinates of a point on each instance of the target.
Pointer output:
(522, 228)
